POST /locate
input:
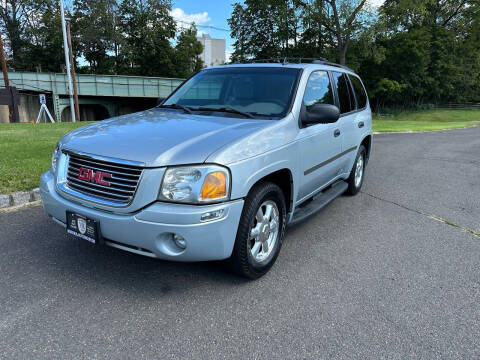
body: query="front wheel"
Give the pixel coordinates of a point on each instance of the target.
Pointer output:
(260, 232)
(355, 180)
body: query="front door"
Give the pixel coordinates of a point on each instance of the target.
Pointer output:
(319, 144)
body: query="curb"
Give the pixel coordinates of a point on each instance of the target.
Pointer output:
(423, 131)
(19, 198)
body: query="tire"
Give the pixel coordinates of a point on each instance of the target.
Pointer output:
(268, 240)
(355, 184)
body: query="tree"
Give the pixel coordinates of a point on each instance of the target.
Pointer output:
(44, 51)
(94, 26)
(343, 19)
(16, 17)
(277, 28)
(147, 28)
(429, 51)
(187, 53)
(345, 22)
(255, 29)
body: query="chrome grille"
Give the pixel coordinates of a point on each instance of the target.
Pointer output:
(123, 182)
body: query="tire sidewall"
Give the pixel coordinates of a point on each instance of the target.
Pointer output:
(352, 188)
(261, 268)
(258, 195)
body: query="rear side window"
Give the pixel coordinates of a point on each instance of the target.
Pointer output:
(345, 96)
(318, 90)
(359, 91)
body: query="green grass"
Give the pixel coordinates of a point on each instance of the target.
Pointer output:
(26, 149)
(26, 152)
(426, 120)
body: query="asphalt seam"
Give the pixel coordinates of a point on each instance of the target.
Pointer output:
(430, 216)
(20, 207)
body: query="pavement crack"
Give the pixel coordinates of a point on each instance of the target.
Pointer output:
(467, 230)
(395, 203)
(430, 216)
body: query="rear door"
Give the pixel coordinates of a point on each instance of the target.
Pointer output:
(348, 119)
(319, 144)
(363, 116)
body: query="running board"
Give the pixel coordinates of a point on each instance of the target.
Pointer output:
(318, 202)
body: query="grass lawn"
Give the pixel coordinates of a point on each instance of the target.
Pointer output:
(26, 149)
(426, 120)
(26, 152)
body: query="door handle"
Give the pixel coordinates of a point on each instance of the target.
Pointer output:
(361, 124)
(336, 133)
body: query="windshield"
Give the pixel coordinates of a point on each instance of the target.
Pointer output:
(258, 91)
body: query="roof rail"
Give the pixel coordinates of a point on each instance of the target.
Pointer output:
(298, 60)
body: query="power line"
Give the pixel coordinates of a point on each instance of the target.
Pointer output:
(202, 26)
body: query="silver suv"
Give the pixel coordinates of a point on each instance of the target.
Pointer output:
(219, 168)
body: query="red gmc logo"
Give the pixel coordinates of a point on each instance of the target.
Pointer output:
(96, 177)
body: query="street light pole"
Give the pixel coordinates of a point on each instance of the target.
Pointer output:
(74, 81)
(67, 62)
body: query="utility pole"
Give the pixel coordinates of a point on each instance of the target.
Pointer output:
(67, 62)
(5, 75)
(74, 78)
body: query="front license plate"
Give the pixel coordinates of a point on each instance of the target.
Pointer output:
(82, 227)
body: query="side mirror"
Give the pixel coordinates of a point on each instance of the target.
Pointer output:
(320, 114)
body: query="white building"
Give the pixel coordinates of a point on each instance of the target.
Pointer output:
(213, 50)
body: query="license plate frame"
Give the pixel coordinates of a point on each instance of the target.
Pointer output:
(83, 227)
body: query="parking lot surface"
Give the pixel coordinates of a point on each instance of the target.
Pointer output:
(393, 272)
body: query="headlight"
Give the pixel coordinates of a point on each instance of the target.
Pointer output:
(195, 184)
(55, 156)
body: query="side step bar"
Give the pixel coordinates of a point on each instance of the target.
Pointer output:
(318, 202)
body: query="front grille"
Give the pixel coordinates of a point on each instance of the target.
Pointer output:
(123, 182)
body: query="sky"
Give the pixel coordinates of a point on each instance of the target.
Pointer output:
(213, 13)
(206, 13)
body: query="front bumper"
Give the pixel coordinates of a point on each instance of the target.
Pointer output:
(148, 231)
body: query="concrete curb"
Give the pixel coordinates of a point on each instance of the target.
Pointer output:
(19, 198)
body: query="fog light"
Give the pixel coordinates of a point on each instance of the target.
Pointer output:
(212, 215)
(179, 241)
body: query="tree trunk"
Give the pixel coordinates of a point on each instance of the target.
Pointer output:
(342, 52)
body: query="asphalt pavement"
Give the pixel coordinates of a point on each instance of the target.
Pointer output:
(378, 275)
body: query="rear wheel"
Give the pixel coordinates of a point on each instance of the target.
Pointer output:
(355, 180)
(260, 232)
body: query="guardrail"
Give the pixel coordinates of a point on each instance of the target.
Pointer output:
(460, 106)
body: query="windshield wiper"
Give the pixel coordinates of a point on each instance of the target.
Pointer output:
(177, 106)
(227, 110)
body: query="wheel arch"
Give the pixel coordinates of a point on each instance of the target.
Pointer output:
(367, 143)
(283, 178)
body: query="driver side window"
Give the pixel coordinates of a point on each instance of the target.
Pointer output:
(318, 90)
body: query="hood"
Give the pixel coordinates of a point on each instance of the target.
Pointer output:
(159, 137)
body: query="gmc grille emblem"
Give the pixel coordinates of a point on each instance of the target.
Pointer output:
(95, 177)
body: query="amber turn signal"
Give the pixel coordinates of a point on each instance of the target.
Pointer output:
(214, 186)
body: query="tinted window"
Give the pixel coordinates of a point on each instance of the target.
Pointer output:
(347, 102)
(359, 91)
(209, 88)
(318, 90)
(262, 91)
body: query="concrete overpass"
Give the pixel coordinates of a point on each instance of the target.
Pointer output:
(107, 91)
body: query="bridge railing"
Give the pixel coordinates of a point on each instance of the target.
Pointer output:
(95, 85)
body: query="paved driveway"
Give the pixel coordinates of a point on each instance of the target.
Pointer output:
(371, 276)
